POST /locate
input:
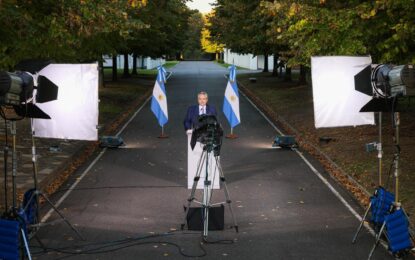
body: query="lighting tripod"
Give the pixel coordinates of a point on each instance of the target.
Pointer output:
(14, 212)
(387, 213)
(379, 148)
(203, 164)
(36, 194)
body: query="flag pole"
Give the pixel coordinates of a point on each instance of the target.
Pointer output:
(163, 136)
(231, 135)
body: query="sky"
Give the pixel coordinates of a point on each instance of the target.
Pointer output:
(202, 5)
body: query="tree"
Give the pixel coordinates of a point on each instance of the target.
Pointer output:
(165, 29)
(383, 29)
(64, 31)
(192, 45)
(242, 27)
(207, 41)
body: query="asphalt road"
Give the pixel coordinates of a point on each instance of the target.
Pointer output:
(283, 209)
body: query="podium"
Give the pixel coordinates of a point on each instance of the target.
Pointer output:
(193, 157)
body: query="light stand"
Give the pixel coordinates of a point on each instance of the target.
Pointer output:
(14, 213)
(5, 170)
(379, 148)
(397, 122)
(36, 194)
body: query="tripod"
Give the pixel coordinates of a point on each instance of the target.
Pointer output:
(36, 194)
(14, 213)
(203, 164)
(379, 148)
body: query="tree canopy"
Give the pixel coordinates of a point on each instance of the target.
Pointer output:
(80, 30)
(298, 29)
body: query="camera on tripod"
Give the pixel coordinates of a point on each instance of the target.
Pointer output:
(208, 132)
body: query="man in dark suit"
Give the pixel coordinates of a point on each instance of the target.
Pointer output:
(193, 112)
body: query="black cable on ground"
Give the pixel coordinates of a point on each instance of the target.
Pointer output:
(122, 187)
(116, 245)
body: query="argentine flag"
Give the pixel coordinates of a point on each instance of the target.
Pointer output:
(159, 99)
(231, 101)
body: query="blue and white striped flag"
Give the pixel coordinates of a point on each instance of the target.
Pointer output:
(161, 74)
(159, 99)
(231, 101)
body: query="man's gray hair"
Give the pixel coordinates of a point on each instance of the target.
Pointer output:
(203, 93)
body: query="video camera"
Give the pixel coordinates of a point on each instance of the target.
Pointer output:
(209, 132)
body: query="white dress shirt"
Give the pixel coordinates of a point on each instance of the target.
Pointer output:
(202, 110)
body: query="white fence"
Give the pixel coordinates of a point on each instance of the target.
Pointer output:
(248, 61)
(142, 62)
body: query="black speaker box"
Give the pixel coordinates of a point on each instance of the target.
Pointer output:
(216, 218)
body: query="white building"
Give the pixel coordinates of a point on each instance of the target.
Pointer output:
(248, 61)
(142, 62)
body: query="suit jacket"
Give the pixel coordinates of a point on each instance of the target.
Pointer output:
(193, 113)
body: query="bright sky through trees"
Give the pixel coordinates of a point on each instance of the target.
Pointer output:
(202, 5)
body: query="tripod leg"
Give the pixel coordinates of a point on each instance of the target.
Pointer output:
(225, 189)
(377, 240)
(207, 189)
(6, 156)
(26, 245)
(192, 193)
(206, 195)
(35, 172)
(62, 216)
(361, 224)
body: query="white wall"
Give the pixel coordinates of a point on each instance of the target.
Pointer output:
(153, 63)
(149, 63)
(261, 59)
(248, 61)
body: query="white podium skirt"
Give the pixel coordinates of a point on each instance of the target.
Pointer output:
(193, 157)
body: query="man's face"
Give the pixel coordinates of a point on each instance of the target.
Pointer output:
(202, 99)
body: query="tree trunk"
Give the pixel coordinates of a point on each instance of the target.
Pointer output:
(101, 82)
(135, 64)
(302, 80)
(275, 69)
(126, 73)
(114, 68)
(281, 66)
(265, 63)
(287, 76)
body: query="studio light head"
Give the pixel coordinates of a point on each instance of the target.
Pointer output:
(385, 83)
(389, 81)
(15, 88)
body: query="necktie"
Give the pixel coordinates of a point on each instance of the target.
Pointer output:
(202, 110)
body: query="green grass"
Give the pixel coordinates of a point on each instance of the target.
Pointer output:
(226, 65)
(171, 64)
(116, 98)
(141, 72)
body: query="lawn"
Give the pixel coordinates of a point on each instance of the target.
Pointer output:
(226, 65)
(141, 72)
(116, 97)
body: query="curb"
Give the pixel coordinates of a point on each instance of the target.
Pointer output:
(335, 171)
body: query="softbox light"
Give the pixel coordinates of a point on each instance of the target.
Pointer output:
(74, 115)
(336, 102)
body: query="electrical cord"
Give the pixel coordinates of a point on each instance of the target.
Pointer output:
(121, 187)
(116, 245)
